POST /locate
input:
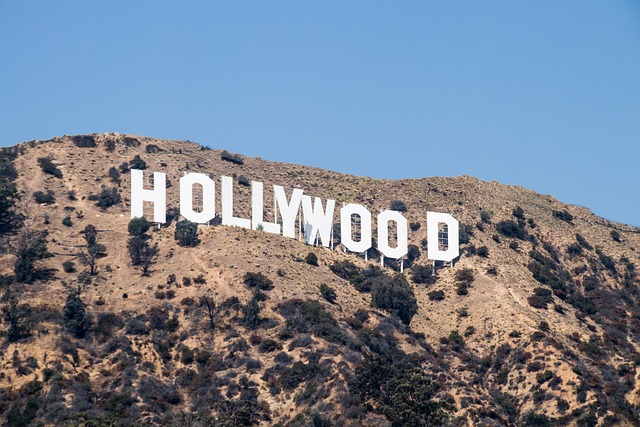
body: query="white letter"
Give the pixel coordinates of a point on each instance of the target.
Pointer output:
(383, 234)
(227, 206)
(158, 195)
(365, 227)
(316, 220)
(257, 210)
(288, 211)
(433, 248)
(208, 197)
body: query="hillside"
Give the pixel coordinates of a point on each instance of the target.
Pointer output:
(537, 323)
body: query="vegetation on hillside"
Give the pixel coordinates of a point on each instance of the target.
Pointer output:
(106, 320)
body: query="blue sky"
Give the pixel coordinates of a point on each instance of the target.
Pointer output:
(542, 94)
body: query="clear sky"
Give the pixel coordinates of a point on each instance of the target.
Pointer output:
(542, 94)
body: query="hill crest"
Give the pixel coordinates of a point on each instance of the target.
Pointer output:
(509, 360)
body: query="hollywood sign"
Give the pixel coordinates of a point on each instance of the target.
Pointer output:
(318, 219)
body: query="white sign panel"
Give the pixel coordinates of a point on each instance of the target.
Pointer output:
(318, 219)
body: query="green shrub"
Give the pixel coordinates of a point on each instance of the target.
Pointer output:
(563, 215)
(401, 391)
(345, 269)
(258, 281)
(90, 234)
(543, 377)
(563, 405)
(19, 416)
(394, 295)
(591, 283)
(506, 402)
(66, 221)
(244, 181)
(251, 313)
(74, 314)
(186, 354)
(462, 290)
(89, 256)
(583, 242)
(465, 276)
(142, 253)
(398, 205)
(582, 303)
(485, 215)
(518, 212)
(108, 197)
(299, 372)
(269, 345)
(312, 259)
(574, 249)
(545, 275)
(137, 163)
(361, 279)
(456, 341)
(551, 251)
(33, 247)
(114, 175)
(136, 326)
(615, 235)
(230, 157)
(84, 141)
(153, 149)
(186, 233)
(483, 252)
(531, 419)
(625, 369)
(413, 253)
(537, 302)
(303, 316)
(44, 198)
(9, 219)
(607, 262)
(465, 233)
(537, 336)
(84, 278)
(138, 226)
(68, 266)
(541, 298)
(49, 167)
(14, 313)
(542, 292)
(131, 142)
(328, 293)
(512, 229)
(436, 295)
(105, 325)
(423, 274)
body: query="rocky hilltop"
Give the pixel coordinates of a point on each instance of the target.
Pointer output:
(108, 321)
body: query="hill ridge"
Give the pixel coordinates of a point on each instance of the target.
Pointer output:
(536, 323)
